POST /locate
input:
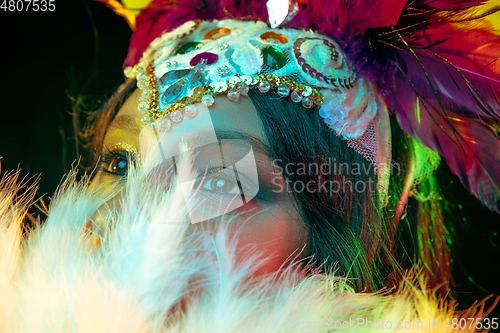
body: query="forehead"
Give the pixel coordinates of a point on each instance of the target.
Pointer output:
(226, 116)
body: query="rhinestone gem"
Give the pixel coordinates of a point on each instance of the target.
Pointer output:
(200, 78)
(283, 91)
(171, 64)
(223, 71)
(223, 46)
(274, 37)
(296, 96)
(129, 72)
(217, 33)
(274, 57)
(233, 95)
(171, 76)
(307, 102)
(211, 58)
(191, 110)
(187, 47)
(174, 91)
(243, 88)
(208, 100)
(176, 116)
(264, 86)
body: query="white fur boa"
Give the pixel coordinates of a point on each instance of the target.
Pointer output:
(149, 276)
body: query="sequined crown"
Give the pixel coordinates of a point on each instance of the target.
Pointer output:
(199, 60)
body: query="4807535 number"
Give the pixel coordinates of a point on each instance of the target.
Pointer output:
(28, 5)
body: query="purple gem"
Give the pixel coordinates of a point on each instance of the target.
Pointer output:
(211, 58)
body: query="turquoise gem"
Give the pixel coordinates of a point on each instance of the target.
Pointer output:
(172, 76)
(174, 91)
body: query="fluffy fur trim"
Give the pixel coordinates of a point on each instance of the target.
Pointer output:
(151, 276)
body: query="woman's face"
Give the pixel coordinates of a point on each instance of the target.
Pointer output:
(234, 175)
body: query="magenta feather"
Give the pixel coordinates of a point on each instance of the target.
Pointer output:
(463, 66)
(456, 76)
(470, 147)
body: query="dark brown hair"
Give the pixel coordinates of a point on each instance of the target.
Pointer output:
(348, 231)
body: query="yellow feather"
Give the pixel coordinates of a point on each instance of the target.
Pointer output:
(129, 9)
(493, 19)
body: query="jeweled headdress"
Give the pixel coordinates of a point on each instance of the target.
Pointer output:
(357, 61)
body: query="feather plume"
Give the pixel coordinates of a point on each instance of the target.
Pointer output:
(470, 146)
(152, 276)
(447, 94)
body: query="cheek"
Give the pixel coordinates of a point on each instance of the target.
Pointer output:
(272, 234)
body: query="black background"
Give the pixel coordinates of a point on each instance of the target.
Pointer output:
(78, 49)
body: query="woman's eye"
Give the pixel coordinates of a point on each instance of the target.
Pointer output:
(225, 181)
(118, 165)
(221, 182)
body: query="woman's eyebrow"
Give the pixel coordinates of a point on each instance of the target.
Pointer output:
(256, 142)
(126, 123)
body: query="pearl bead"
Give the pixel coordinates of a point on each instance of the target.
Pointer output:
(142, 84)
(264, 86)
(191, 111)
(143, 107)
(165, 124)
(233, 95)
(296, 96)
(243, 88)
(283, 91)
(208, 100)
(307, 102)
(129, 72)
(176, 116)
